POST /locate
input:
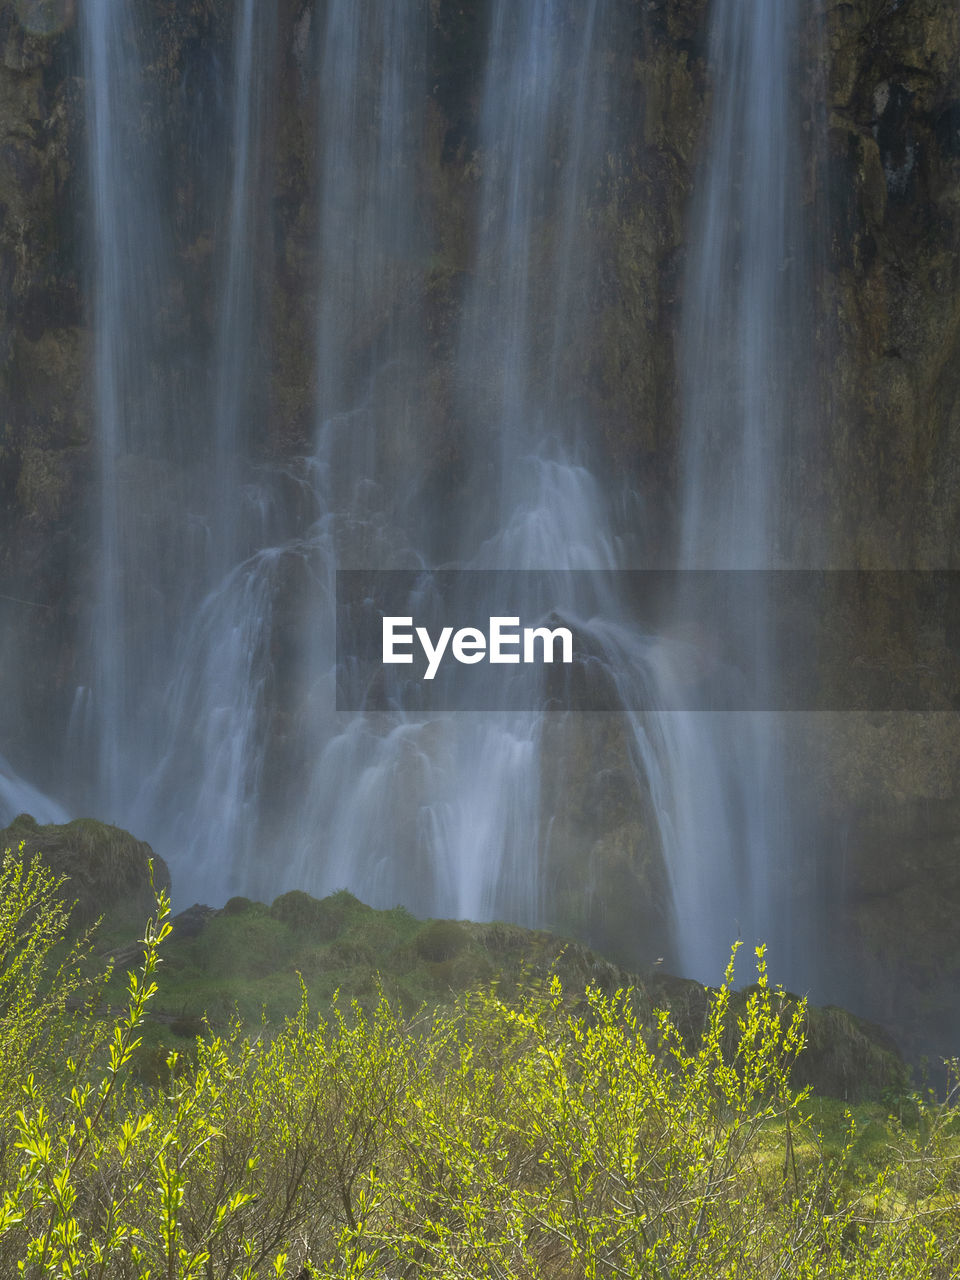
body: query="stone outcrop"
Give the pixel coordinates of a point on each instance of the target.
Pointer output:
(892, 284)
(106, 871)
(45, 421)
(885, 785)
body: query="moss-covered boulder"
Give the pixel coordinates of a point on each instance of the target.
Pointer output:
(441, 940)
(322, 918)
(106, 870)
(256, 962)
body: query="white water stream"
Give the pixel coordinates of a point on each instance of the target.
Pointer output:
(208, 724)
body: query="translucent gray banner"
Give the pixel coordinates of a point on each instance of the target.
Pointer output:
(657, 640)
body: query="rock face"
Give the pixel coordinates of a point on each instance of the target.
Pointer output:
(106, 870)
(45, 423)
(886, 783)
(623, 376)
(879, 483)
(606, 866)
(893, 283)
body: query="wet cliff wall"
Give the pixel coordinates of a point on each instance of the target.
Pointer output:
(875, 483)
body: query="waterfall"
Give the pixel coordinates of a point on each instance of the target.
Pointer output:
(209, 714)
(443, 814)
(236, 522)
(742, 338)
(215, 698)
(19, 796)
(169, 716)
(124, 292)
(743, 370)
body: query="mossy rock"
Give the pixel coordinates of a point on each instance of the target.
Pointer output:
(351, 953)
(239, 906)
(848, 1057)
(375, 932)
(441, 940)
(499, 938)
(323, 918)
(844, 1056)
(244, 946)
(250, 961)
(460, 972)
(106, 869)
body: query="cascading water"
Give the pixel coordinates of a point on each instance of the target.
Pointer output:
(214, 698)
(19, 796)
(741, 349)
(742, 370)
(171, 706)
(444, 815)
(125, 297)
(236, 524)
(346, 819)
(211, 702)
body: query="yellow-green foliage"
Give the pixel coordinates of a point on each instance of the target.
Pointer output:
(249, 959)
(538, 1134)
(39, 979)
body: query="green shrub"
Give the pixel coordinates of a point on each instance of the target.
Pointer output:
(548, 1134)
(41, 981)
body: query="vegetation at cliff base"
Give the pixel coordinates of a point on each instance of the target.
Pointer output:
(253, 961)
(530, 1131)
